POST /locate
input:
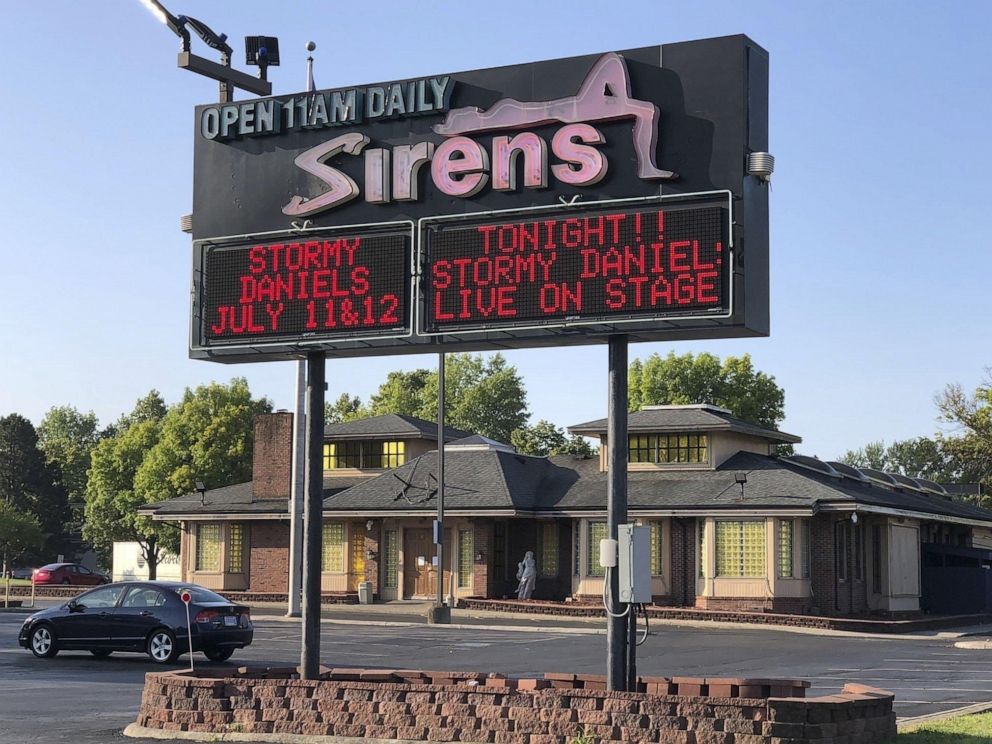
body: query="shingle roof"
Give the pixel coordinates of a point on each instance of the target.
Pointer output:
(391, 425)
(685, 418)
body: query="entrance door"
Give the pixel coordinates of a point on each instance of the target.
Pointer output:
(419, 575)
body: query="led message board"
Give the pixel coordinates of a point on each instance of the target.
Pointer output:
(322, 285)
(579, 265)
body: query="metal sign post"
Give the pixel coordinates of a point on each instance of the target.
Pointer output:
(313, 506)
(440, 613)
(616, 497)
(186, 597)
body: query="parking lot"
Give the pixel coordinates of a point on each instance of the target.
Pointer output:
(76, 697)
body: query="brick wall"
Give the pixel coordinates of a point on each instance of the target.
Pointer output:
(272, 456)
(524, 535)
(482, 539)
(470, 707)
(268, 561)
(683, 562)
(830, 596)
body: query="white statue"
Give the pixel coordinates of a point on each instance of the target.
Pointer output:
(527, 575)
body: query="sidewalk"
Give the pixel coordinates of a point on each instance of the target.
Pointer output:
(414, 613)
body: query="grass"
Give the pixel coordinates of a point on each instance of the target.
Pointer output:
(960, 730)
(15, 582)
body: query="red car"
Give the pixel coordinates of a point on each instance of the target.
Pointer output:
(68, 573)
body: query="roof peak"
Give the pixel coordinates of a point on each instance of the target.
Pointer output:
(682, 406)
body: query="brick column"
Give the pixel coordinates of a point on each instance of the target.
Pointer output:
(683, 578)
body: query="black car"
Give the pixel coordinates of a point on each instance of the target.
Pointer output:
(142, 616)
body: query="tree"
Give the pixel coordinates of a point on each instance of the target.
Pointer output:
(544, 439)
(345, 408)
(67, 438)
(149, 408)
(734, 384)
(20, 533)
(970, 442)
(30, 485)
(403, 393)
(921, 457)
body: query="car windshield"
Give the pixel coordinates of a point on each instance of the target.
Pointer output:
(201, 595)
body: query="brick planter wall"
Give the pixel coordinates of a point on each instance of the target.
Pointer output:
(468, 707)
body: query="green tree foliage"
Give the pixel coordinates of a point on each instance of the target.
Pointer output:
(734, 384)
(29, 485)
(970, 441)
(545, 439)
(484, 395)
(345, 408)
(20, 534)
(67, 438)
(149, 408)
(921, 457)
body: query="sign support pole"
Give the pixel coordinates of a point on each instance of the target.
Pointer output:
(296, 491)
(313, 506)
(440, 613)
(616, 497)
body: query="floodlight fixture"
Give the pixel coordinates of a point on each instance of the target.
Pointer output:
(262, 51)
(740, 478)
(223, 72)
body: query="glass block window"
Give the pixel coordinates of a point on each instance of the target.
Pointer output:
(740, 549)
(236, 549)
(466, 555)
(701, 536)
(390, 558)
(807, 549)
(549, 550)
(785, 540)
(393, 454)
(668, 448)
(597, 532)
(576, 548)
(208, 541)
(657, 556)
(332, 548)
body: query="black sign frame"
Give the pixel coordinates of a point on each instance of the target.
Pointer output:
(722, 199)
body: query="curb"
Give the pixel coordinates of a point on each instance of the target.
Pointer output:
(985, 645)
(135, 731)
(456, 626)
(967, 710)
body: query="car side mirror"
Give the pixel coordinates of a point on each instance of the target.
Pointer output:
(73, 606)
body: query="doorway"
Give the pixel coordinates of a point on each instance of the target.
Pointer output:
(419, 574)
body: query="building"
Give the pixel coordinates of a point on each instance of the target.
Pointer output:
(733, 525)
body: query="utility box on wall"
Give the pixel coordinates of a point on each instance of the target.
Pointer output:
(634, 563)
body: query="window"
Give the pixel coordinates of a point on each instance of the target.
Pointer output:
(785, 537)
(740, 549)
(365, 454)
(576, 548)
(466, 550)
(236, 549)
(657, 556)
(106, 597)
(208, 547)
(876, 558)
(597, 532)
(499, 550)
(701, 537)
(840, 549)
(549, 549)
(332, 548)
(668, 448)
(859, 552)
(807, 549)
(390, 559)
(144, 597)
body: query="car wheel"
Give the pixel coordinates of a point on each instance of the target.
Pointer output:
(65, 581)
(43, 643)
(219, 654)
(162, 647)
(100, 653)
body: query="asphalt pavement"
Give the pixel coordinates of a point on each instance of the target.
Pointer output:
(76, 697)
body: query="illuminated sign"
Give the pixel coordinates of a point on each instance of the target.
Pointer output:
(576, 265)
(321, 285)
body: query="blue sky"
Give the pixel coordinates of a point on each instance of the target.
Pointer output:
(880, 121)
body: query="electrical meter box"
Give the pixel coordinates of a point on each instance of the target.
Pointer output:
(634, 563)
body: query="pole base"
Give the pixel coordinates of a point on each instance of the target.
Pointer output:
(438, 615)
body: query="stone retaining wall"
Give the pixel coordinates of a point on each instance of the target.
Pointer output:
(468, 707)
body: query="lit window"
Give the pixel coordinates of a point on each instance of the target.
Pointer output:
(785, 538)
(466, 548)
(332, 548)
(665, 449)
(657, 557)
(208, 547)
(391, 559)
(597, 532)
(365, 454)
(549, 549)
(740, 549)
(393, 454)
(807, 549)
(236, 549)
